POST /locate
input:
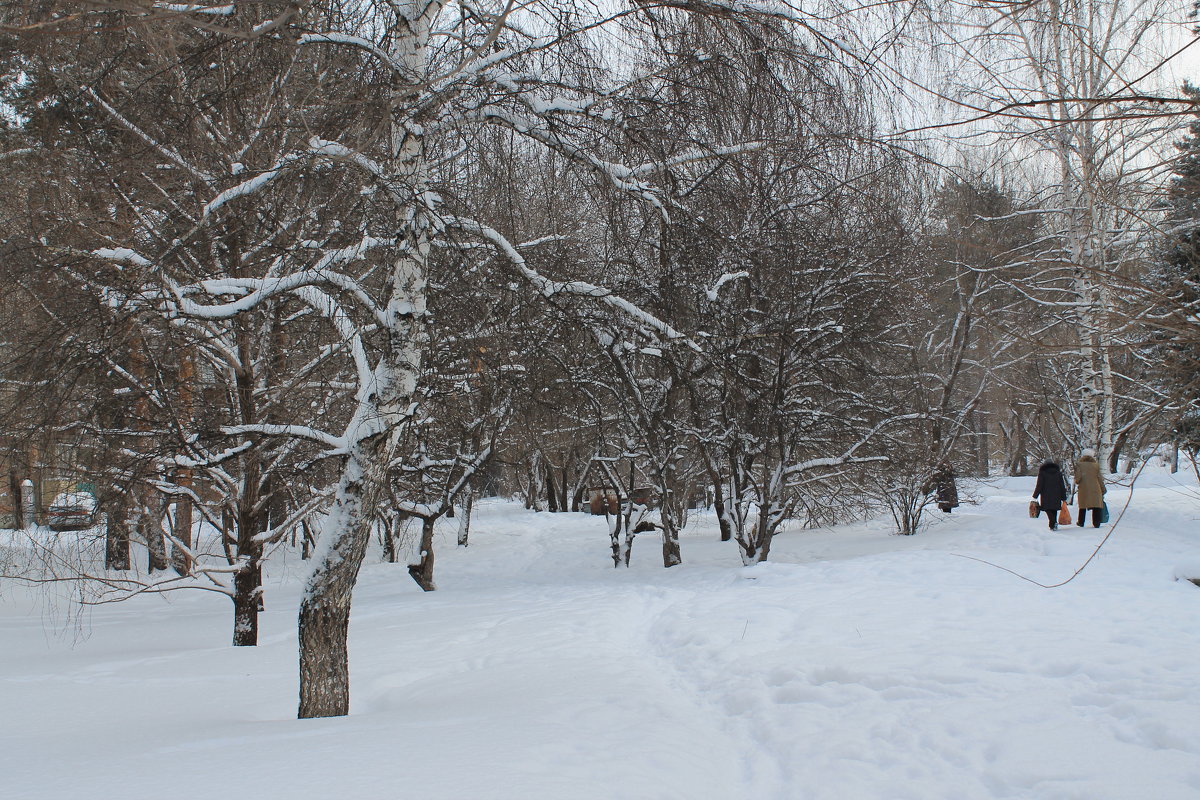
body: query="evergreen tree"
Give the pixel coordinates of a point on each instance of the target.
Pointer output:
(1180, 282)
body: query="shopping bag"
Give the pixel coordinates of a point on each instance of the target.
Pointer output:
(1034, 509)
(1103, 513)
(1064, 514)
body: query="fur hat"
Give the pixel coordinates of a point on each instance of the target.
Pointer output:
(1088, 453)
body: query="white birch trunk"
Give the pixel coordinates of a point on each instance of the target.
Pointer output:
(383, 407)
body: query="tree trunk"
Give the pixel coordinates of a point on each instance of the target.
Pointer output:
(116, 539)
(307, 540)
(766, 530)
(247, 581)
(151, 531)
(182, 524)
(673, 516)
(14, 488)
(227, 537)
(379, 420)
(630, 533)
(755, 543)
(563, 490)
(670, 545)
(391, 531)
(324, 662)
(247, 597)
(551, 490)
(464, 517)
(1114, 455)
(1018, 455)
(537, 488)
(422, 570)
(749, 550)
(719, 507)
(983, 467)
(180, 560)
(324, 620)
(615, 522)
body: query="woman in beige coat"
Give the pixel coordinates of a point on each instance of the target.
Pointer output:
(1089, 487)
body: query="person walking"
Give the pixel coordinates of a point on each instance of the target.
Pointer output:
(1089, 487)
(1051, 491)
(946, 487)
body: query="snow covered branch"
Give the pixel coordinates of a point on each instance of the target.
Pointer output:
(549, 288)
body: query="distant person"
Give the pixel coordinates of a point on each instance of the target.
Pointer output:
(946, 485)
(1089, 487)
(1051, 491)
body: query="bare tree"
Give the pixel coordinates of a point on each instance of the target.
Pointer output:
(1072, 82)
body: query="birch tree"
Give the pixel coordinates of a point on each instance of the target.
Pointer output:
(1075, 80)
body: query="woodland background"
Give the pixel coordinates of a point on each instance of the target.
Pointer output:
(314, 275)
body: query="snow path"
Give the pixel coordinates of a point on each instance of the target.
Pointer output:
(855, 666)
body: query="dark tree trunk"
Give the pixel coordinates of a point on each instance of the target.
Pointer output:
(150, 529)
(422, 571)
(671, 554)
(247, 581)
(14, 488)
(1018, 459)
(749, 552)
(180, 560)
(764, 541)
(247, 600)
(755, 543)
(722, 519)
(551, 491)
(672, 507)
(116, 539)
(324, 661)
(563, 491)
(181, 530)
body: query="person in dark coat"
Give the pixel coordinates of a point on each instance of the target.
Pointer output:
(946, 487)
(1051, 491)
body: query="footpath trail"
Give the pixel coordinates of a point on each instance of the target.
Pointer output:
(856, 664)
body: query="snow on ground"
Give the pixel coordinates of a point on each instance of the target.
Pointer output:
(855, 666)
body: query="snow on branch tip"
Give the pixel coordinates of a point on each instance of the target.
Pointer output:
(224, 10)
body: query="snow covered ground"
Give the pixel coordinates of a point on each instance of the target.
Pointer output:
(856, 666)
